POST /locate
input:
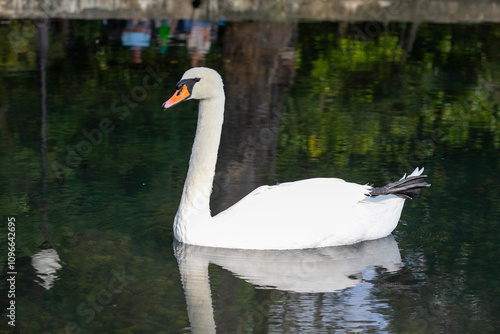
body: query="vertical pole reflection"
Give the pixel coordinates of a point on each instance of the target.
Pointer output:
(45, 260)
(42, 46)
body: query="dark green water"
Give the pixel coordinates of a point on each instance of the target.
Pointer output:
(92, 169)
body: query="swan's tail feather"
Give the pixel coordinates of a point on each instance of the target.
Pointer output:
(407, 188)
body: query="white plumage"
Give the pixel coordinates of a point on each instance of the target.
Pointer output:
(309, 213)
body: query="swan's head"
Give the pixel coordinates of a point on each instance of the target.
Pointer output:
(197, 83)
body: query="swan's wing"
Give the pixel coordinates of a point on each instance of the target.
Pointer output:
(303, 214)
(302, 200)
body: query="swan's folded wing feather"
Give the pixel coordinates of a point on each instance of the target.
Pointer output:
(303, 214)
(305, 198)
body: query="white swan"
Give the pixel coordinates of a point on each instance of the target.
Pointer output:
(310, 213)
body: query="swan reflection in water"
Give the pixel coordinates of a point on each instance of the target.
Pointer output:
(306, 271)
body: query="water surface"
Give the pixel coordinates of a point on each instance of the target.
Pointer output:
(92, 169)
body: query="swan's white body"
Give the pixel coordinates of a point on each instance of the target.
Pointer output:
(310, 213)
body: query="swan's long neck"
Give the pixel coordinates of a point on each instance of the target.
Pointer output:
(195, 201)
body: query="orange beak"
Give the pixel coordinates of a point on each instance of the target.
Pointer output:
(179, 96)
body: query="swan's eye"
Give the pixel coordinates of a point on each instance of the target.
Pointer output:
(186, 84)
